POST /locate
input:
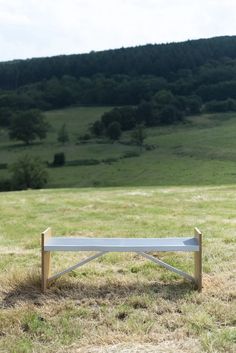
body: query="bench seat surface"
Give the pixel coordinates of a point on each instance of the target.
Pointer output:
(121, 244)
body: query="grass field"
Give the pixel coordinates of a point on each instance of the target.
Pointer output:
(122, 303)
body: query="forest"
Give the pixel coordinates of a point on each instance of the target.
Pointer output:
(162, 82)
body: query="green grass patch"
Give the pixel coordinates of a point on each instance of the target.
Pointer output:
(199, 152)
(120, 297)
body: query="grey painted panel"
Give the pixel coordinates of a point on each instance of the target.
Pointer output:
(121, 244)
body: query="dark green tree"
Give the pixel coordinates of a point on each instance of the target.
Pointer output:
(193, 105)
(28, 126)
(29, 172)
(59, 159)
(63, 136)
(111, 116)
(138, 136)
(163, 98)
(144, 114)
(98, 128)
(5, 117)
(114, 131)
(170, 114)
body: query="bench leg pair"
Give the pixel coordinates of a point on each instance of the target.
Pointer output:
(198, 261)
(46, 262)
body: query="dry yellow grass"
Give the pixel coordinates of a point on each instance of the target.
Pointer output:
(120, 303)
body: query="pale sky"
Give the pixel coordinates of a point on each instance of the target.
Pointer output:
(35, 28)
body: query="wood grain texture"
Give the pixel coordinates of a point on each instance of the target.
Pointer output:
(139, 245)
(198, 260)
(46, 259)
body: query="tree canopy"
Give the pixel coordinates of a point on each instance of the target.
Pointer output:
(63, 136)
(28, 172)
(27, 126)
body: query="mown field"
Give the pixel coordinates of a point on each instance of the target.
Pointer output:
(121, 302)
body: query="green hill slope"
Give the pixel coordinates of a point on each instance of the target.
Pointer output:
(200, 152)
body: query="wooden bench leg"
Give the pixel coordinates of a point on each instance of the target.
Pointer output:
(198, 261)
(46, 260)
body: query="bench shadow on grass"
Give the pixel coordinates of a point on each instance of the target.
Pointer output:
(28, 291)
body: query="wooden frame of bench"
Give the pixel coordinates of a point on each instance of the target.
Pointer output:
(141, 246)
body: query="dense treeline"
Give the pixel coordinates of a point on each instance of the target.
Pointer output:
(196, 73)
(212, 81)
(158, 60)
(164, 108)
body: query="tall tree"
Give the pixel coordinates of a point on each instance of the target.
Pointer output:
(28, 172)
(138, 136)
(28, 126)
(63, 136)
(98, 128)
(114, 131)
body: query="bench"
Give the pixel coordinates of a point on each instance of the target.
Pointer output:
(141, 246)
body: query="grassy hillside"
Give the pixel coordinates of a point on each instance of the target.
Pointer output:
(200, 152)
(120, 301)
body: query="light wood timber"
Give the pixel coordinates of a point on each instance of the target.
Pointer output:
(198, 260)
(46, 259)
(142, 246)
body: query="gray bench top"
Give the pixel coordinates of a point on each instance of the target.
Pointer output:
(121, 244)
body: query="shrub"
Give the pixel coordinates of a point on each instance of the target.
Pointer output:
(193, 105)
(5, 117)
(220, 106)
(131, 154)
(98, 128)
(3, 165)
(85, 137)
(114, 131)
(110, 160)
(59, 159)
(62, 135)
(28, 172)
(170, 114)
(5, 185)
(83, 162)
(149, 147)
(138, 136)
